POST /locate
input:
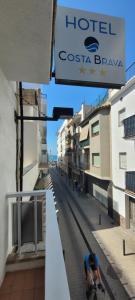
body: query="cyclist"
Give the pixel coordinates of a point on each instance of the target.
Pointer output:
(92, 272)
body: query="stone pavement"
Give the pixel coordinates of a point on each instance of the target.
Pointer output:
(110, 238)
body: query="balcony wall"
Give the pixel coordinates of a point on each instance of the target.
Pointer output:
(30, 176)
(54, 257)
(30, 143)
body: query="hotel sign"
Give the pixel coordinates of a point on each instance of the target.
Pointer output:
(89, 49)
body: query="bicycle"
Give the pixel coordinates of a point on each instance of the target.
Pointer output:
(91, 292)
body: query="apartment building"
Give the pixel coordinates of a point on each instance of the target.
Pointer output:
(87, 155)
(95, 159)
(61, 146)
(84, 145)
(123, 154)
(71, 146)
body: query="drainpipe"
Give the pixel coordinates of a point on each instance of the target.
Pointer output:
(17, 155)
(21, 136)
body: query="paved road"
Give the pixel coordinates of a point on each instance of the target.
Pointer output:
(72, 241)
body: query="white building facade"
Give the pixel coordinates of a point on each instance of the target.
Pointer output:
(123, 154)
(10, 159)
(7, 160)
(61, 144)
(35, 146)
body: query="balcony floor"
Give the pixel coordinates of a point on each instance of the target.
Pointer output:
(26, 284)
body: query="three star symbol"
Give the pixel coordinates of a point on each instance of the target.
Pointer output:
(82, 70)
(103, 72)
(92, 71)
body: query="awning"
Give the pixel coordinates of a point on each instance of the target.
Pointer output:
(26, 39)
(84, 133)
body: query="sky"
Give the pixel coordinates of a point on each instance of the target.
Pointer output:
(74, 96)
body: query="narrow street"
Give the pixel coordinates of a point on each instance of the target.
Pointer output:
(72, 241)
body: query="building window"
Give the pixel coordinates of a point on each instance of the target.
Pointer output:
(96, 159)
(44, 152)
(121, 116)
(95, 128)
(123, 160)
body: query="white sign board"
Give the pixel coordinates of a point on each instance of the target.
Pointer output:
(89, 49)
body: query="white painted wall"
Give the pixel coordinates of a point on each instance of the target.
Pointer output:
(43, 158)
(100, 194)
(32, 138)
(30, 142)
(119, 201)
(30, 178)
(125, 98)
(7, 160)
(61, 145)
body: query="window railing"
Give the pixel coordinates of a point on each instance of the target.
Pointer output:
(130, 181)
(129, 127)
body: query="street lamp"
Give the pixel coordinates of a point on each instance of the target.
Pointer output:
(62, 112)
(58, 113)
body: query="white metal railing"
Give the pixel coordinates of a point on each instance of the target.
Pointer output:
(19, 196)
(56, 284)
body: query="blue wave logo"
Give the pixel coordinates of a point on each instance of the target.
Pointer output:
(91, 44)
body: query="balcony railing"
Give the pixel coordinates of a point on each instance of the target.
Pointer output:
(85, 165)
(129, 127)
(130, 181)
(22, 206)
(54, 261)
(84, 143)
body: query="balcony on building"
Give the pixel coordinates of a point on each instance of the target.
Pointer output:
(129, 127)
(85, 144)
(68, 143)
(30, 253)
(85, 165)
(130, 181)
(84, 136)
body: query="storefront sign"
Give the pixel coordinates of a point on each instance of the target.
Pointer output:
(89, 49)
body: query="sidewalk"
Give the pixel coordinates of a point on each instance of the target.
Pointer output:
(110, 238)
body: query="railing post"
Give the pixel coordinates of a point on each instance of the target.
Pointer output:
(35, 222)
(99, 220)
(19, 224)
(124, 251)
